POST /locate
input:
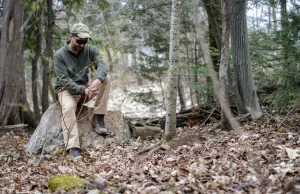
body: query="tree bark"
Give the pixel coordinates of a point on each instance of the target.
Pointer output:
(208, 60)
(14, 107)
(161, 81)
(134, 60)
(274, 19)
(223, 71)
(181, 93)
(241, 57)
(52, 91)
(189, 75)
(269, 27)
(170, 129)
(34, 63)
(110, 63)
(284, 30)
(48, 56)
(213, 23)
(195, 56)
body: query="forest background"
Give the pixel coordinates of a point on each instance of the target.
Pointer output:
(133, 37)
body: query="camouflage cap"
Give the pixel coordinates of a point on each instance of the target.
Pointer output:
(81, 30)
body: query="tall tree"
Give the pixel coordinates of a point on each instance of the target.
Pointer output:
(199, 27)
(212, 19)
(213, 11)
(13, 102)
(241, 59)
(196, 53)
(223, 71)
(48, 53)
(274, 18)
(287, 44)
(37, 48)
(170, 128)
(181, 93)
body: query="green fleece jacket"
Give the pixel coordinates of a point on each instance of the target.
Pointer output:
(72, 69)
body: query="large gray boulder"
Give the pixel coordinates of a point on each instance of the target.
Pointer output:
(48, 136)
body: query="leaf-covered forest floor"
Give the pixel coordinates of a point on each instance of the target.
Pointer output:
(265, 159)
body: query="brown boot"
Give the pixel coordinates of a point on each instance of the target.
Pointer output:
(98, 123)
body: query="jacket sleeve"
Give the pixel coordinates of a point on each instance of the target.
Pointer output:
(64, 78)
(99, 64)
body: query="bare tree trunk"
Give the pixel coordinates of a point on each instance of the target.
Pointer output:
(52, 91)
(189, 75)
(241, 57)
(269, 19)
(162, 90)
(256, 15)
(110, 63)
(213, 23)
(274, 19)
(284, 25)
(203, 80)
(160, 80)
(48, 56)
(181, 93)
(208, 60)
(134, 60)
(14, 107)
(223, 71)
(124, 57)
(37, 54)
(170, 128)
(195, 55)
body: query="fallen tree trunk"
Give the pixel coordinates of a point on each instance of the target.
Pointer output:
(146, 128)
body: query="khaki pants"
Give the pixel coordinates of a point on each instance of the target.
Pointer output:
(69, 103)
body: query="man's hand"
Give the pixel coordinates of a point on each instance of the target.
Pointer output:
(95, 85)
(89, 93)
(93, 89)
(86, 91)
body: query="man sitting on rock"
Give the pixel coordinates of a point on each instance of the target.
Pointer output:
(72, 63)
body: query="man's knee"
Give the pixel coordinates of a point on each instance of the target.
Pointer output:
(106, 80)
(67, 106)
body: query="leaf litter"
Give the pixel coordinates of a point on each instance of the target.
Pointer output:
(200, 160)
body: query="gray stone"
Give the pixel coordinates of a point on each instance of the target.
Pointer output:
(48, 136)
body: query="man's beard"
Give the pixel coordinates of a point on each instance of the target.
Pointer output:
(76, 48)
(79, 48)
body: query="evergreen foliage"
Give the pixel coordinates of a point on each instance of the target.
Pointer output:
(275, 58)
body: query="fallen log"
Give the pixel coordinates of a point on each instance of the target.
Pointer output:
(13, 126)
(143, 127)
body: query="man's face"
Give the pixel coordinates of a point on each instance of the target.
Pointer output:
(78, 43)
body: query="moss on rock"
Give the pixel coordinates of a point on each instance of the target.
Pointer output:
(66, 182)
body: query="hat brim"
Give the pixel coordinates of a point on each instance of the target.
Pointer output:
(84, 35)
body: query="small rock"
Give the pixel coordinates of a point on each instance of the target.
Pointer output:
(95, 191)
(165, 146)
(174, 173)
(121, 189)
(170, 159)
(98, 183)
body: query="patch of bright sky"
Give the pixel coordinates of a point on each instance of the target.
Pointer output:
(258, 15)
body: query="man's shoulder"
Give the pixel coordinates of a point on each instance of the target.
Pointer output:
(60, 51)
(91, 48)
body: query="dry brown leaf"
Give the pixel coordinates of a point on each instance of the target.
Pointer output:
(64, 169)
